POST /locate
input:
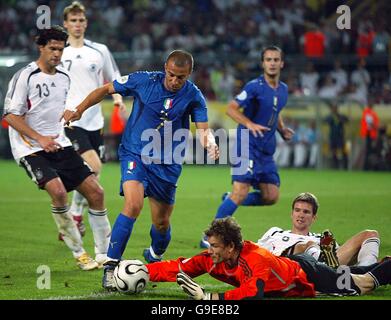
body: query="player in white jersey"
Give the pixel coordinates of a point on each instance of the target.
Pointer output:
(33, 107)
(362, 249)
(89, 65)
(282, 242)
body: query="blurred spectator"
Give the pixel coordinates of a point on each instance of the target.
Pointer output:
(329, 89)
(117, 126)
(365, 39)
(340, 76)
(283, 153)
(314, 43)
(360, 78)
(380, 159)
(293, 84)
(300, 145)
(369, 132)
(113, 15)
(381, 41)
(223, 83)
(309, 80)
(141, 49)
(337, 142)
(313, 145)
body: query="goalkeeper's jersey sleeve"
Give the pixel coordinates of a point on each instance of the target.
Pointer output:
(257, 269)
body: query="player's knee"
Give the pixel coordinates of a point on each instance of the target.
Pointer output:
(97, 167)
(95, 196)
(270, 199)
(132, 209)
(162, 225)
(300, 248)
(59, 195)
(366, 234)
(239, 196)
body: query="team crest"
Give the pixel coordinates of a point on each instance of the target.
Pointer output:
(93, 67)
(75, 145)
(123, 79)
(168, 103)
(242, 96)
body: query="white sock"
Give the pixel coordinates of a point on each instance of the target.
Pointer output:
(78, 204)
(101, 229)
(67, 227)
(313, 251)
(369, 252)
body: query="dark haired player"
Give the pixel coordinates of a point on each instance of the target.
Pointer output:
(262, 100)
(34, 104)
(163, 104)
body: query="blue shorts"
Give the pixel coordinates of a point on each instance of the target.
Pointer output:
(259, 170)
(132, 168)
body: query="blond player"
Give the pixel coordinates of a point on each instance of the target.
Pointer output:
(89, 65)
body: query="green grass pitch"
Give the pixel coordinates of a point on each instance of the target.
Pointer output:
(349, 202)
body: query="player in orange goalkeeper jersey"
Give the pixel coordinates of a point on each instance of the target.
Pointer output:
(256, 273)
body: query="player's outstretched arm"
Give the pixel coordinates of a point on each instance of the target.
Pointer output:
(93, 98)
(193, 289)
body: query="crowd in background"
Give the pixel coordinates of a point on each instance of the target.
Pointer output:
(226, 37)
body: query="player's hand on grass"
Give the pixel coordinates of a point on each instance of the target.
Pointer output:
(70, 116)
(191, 288)
(257, 129)
(49, 144)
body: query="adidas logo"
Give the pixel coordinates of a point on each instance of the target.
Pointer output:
(78, 56)
(53, 84)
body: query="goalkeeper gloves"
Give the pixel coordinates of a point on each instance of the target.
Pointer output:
(191, 288)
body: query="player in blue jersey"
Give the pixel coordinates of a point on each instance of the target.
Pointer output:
(262, 100)
(152, 148)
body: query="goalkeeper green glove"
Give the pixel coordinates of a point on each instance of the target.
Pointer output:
(191, 288)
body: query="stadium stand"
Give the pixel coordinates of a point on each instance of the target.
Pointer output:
(226, 37)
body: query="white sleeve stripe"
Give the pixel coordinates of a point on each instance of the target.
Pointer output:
(29, 169)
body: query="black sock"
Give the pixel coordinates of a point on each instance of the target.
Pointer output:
(381, 274)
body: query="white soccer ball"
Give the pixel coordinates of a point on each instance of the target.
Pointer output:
(131, 276)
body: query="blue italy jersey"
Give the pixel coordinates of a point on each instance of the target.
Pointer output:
(262, 105)
(158, 126)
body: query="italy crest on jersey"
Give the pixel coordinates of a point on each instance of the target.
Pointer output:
(168, 103)
(131, 165)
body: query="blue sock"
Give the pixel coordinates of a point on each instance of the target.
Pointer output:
(253, 199)
(120, 234)
(227, 208)
(160, 240)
